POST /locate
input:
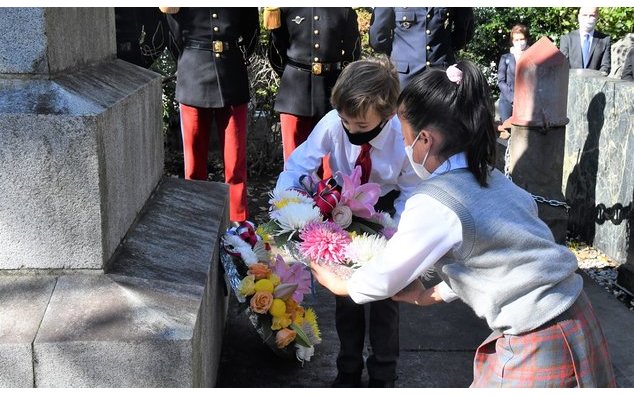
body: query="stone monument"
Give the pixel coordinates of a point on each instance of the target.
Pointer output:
(109, 274)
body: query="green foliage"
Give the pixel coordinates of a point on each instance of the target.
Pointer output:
(493, 25)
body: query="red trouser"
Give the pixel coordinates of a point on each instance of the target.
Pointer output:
(295, 131)
(231, 122)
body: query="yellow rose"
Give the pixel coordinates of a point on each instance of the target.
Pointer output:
(247, 285)
(278, 308)
(264, 285)
(284, 337)
(259, 270)
(261, 302)
(281, 322)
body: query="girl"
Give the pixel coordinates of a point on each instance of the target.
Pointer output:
(506, 69)
(481, 234)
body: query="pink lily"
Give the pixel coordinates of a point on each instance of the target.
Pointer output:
(293, 273)
(360, 198)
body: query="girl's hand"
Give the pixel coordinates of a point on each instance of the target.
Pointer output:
(415, 293)
(329, 279)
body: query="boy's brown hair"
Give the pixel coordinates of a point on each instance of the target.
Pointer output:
(366, 84)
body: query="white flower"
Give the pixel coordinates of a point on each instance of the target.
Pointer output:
(384, 219)
(281, 198)
(342, 216)
(364, 248)
(236, 245)
(292, 218)
(303, 353)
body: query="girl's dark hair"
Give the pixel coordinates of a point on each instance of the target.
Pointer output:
(463, 113)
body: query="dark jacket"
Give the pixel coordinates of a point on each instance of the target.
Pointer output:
(329, 36)
(600, 51)
(506, 76)
(415, 38)
(627, 66)
(214, 79)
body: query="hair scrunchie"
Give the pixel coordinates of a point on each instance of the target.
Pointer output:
(454, 74)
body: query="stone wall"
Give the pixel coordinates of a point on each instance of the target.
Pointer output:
(599, 161)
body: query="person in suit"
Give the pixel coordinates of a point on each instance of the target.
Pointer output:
(308, 48)
(586, 48)
(627, 66)
(506, 69)
(416, 38)
(212, 82)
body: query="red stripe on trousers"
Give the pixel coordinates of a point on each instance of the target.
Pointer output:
(231, 123)
(295, 131)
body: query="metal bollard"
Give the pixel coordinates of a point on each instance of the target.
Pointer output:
(535, 150)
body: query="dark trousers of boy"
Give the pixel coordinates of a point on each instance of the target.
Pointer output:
(383, 328)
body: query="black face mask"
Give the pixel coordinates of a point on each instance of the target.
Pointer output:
(364, 137)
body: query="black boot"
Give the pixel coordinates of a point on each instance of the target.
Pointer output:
(347, 380)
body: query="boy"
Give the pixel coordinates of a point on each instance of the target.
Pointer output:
(362, 130)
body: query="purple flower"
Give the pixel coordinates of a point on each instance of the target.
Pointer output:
(324, 243)
(293, 273)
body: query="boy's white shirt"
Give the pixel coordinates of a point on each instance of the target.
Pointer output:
(390, 167)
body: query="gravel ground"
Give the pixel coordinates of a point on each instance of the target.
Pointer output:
(602, 269)
(593, 262)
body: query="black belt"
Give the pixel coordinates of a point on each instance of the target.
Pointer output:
(317, 68)
(216, 46)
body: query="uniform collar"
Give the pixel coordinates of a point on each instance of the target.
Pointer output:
(456, 161)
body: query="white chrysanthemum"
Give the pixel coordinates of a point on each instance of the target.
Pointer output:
(237, 245)
(364, 248)
(293, 218)
(384, 219)
(281, 198)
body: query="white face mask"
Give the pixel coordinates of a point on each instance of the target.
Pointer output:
(520, 45)
(587, 24)
(420, 169)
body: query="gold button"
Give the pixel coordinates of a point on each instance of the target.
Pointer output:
(217, 55)
(428, 48)
(316, 31)
(215, 16)
(404, 18)
(428, 15)
(428, 31)
(316, 17)
(316, 59)
(428, 63)
(447, 13)
(343, 52)
(317, 45)
(216, 28)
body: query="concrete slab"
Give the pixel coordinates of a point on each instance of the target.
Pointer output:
(175, 238)
(617, 323)
(117, 331)
(23, 300)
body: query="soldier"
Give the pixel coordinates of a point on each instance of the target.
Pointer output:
(415, 38)
(212, 82)
(308, 48)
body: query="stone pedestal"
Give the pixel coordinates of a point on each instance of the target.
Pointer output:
(107, 278)
(536, 165)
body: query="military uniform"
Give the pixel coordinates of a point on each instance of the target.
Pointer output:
(419, 37)
(308, 51)
(212, 82)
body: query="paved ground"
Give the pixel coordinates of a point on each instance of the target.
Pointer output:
(437, 346)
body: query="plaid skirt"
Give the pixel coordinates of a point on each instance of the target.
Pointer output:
(568, 351)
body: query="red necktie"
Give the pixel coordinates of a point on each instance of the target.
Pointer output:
(365, 162)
